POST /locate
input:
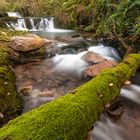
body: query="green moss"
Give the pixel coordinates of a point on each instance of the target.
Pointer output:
(71, 117)
(10, 103)
(6, 34)
(24, 57)
(39, 53)
(4, 55)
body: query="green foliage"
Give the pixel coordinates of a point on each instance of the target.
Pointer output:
(126, 17)
(10, 103)
(6, 34)
(97, 16)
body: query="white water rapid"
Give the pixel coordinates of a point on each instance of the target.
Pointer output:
(43, 27)
(72, 63)
(30, 24)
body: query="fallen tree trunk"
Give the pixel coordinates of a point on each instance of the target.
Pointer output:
(71, 117)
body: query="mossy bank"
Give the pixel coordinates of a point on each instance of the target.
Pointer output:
(10, 102)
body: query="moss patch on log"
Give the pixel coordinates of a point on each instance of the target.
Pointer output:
(71, 117)
(10, 103)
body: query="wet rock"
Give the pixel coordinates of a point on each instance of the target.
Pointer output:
(74, 48)
(116, 109)
(27, 43)
(25, 57)
(107, 105)
(52, 51)
(68, 51)
(26, 91)
(96, 69)
(3, 14)
(92, 57)
(47, 93)
(127, 82)
(28, 48)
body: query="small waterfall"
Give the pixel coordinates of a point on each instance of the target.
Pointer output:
(41, 24)
(43, 27)
(51, 23)
(33, 27)
(19, 25)
(22, 24)
(46, 24)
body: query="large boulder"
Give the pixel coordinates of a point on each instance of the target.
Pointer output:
(97, 64)
(93, 58)
(27, 43)
(96, 69)
(28, 48)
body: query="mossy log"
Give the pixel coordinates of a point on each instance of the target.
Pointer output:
(71, 117)
(10, 102)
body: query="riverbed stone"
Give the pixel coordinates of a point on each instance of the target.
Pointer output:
(46, 93)
(28, 48)
(96, 69)
(26, 43)
(25, 57)
(26, 91)
(93, 58)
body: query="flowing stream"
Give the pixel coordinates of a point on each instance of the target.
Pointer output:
(43, 27)
(51, 78)
(127, 127)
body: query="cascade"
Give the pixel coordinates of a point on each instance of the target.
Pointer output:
(33, 28)
(43, 27)
(21, 23)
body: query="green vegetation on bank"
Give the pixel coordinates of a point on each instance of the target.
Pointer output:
(98, 16)
(114, 19)
(10, 102)
(6, 34)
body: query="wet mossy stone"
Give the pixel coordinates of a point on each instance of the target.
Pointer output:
(25, 57)
(10, 102)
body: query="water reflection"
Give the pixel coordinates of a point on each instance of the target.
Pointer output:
(44, 82)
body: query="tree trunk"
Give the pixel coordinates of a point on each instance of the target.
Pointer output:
(71, 117)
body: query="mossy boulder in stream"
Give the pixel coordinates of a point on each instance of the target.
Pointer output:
(27, 48)
(10, 102)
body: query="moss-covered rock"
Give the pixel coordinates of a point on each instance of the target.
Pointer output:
(10, 102)
(24, 57)
(71, 117)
